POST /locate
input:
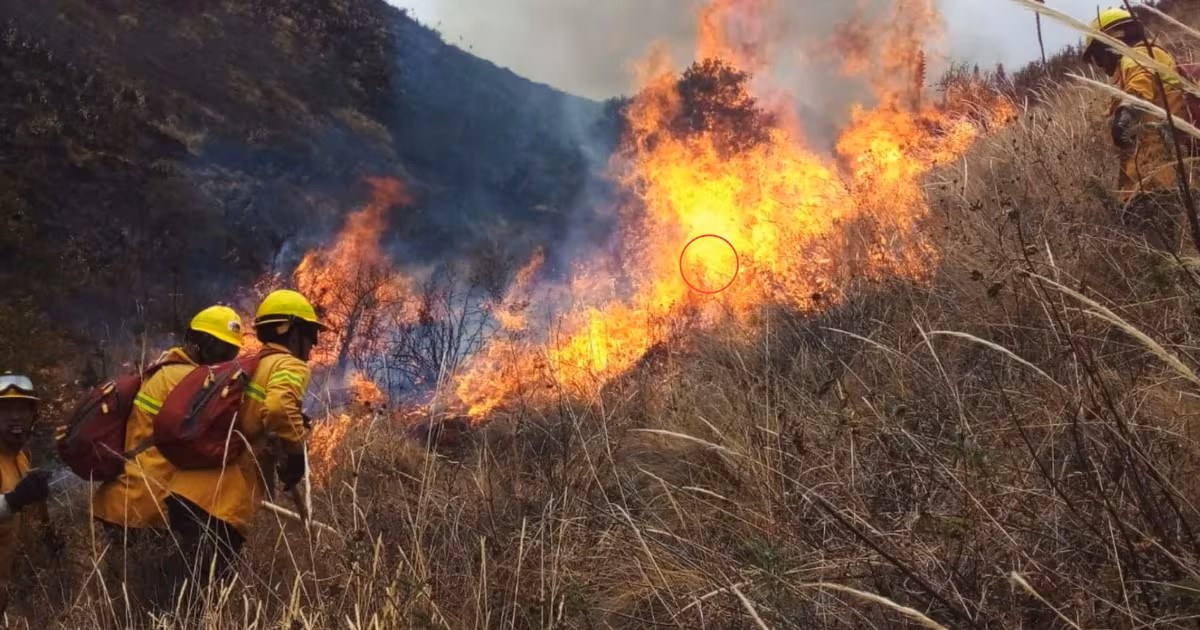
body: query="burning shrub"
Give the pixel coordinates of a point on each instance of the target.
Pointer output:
(715, 102)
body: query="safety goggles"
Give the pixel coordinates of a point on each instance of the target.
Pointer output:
(16, 386)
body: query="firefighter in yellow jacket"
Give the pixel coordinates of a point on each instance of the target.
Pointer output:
(1143, 140)
(211, 510)
(130, 509)
(22, 487)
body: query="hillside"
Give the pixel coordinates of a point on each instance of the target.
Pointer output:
(156, 155)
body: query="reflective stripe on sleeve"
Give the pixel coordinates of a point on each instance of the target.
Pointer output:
(147, 404)
(256, 393)
(282, 376)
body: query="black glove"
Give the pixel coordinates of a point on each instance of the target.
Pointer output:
(33, 488)
(1123, 121)
(306, 420)
(292, 470)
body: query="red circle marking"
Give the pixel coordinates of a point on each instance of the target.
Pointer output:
(737, 262)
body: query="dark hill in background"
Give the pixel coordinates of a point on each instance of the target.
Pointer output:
(156, 154)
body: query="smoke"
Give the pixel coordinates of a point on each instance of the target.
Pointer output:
(581, 46)
(592, 48)
(988, 32)
(587, 47)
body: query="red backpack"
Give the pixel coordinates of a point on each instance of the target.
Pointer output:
(92, 443)
(196, 427)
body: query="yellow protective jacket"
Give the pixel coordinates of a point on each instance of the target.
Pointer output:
(13, 467)
(271, 408)
(135, 499)
(1148, 165)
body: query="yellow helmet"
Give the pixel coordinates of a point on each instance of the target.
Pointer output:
(17, 386)
(1107, 21)
(284, 306)
(221, 322)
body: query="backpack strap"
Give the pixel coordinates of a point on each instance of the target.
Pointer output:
(142, 447)
(250, 363)
(168, 358)
(250, 366)
(268, 351)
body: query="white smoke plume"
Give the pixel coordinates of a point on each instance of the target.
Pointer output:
(588, 46)
(592, 48)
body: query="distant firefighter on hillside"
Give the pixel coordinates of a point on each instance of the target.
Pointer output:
(1146, 183)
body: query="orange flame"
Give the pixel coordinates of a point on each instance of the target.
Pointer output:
(324, 440)
(733, 30)
(803, 225)
(889, 51)
(355, 288)
(507, 358)
(364, 390)
(352, 283)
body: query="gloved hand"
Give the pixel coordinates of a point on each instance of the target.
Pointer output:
(33, 488)
(291, 472)
(1123, 121)
(306, 420)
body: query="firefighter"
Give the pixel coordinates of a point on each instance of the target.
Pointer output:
(1147, 177)
(211, 510)
(130, 509)
(23, 489)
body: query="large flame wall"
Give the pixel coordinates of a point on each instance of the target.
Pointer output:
(802, 223)
(701, 155)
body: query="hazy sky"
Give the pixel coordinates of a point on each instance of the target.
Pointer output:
(586, 46)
